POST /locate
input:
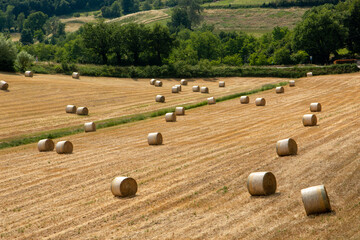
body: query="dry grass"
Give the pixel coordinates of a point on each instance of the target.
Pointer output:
(252, 20)
(194, 186)
(38, 104)
(73, 24)
(145, 17)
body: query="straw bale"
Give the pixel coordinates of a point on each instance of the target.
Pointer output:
(196, 89)
(75, 75)
(155, 138)
(244, 99)
(82, 111)
(90, 127)
(211, 100)
(309, 120)
(309, 74)
(315, 107)
(260, 101)
(221, 84)
(152, 81)
(261, 183)
(204, 90)
(29, 74)
(180, 111)
(45, 145)
(170, 117)
(160, 98)
(123, 187)
(292, 83)
(4, 85)
(183, 82)
(279, 89)
(70, 109)
(315, 200)
(65, 147)
(175, 89)
(158, 83)
(286, 147)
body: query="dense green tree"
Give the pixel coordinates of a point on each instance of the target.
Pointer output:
(20, 21)
(112, 11)
(130, 6)
(117, 42)
(186, 15)
(353, 24)
(206, 44)
(26, 37)
(136, 40)
(320, 33)
(97, 37)
(10, 17)
(2, 20)
(161, 42)
(35, 21)
(282, 56)
(179, 20)
(193, 9)
(39, 35)
(146, 5)
(54, 26)
(158, 4)
(7, 53)
(23, 61)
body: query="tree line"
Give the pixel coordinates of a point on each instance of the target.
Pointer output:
(321, 33)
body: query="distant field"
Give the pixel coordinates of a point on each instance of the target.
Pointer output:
(73, 24)
(145, 17)
(256, 21)
(236, 2)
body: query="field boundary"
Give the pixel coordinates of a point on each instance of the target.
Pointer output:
(57, 133)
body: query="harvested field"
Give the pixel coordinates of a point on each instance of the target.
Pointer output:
(194, 186)
(38, 104)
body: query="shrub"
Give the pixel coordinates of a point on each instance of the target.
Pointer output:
(7, 54)
(23, 61)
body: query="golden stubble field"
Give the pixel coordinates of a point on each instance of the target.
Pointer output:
(38, 104)
(194, 185)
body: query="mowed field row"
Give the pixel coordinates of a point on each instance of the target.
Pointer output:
(38, 104)
(194, 185)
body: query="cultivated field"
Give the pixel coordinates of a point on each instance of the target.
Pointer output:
(256, 21)
(194, 186)
(38, 104)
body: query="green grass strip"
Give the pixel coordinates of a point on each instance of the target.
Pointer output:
(58, 133)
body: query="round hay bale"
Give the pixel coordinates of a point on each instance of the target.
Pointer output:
(279, 89)
(292, 83)
(309, 120)
(204, 90)
(123, 187)
(90, 127)
(211, 100)
(45, 145)
(75, 75)
(261, 183)
(155, 138)
(29, 74)
(183, 82)
(160, 98)
(244, 99)
(221, 84)
(286, 147)
(260, 101)
(309, 74)
(158, 83)
(82, 111)
(315, 107)
(70, 109)
(4, 85)
(64, 147)
(175, 89)
(196, 89)
(180, 111)
(179, 87)
(152, 81)
(170, 117)
(315, 200)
